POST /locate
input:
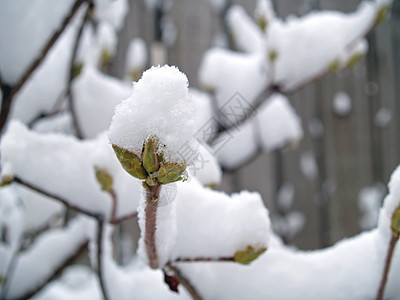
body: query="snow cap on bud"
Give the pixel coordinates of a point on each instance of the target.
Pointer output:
(152, 131)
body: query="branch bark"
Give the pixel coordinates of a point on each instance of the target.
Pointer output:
(204, 259)
(389, 255)
(185, 282)
(10, 91)
(67, 203)
(100, 271)
(70, 95)
(152, 197)
(55, 274)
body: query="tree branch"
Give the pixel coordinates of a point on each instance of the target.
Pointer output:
(100, 225)
(69, 260)
(152, 198)
(10, 91)
(389, 255)
(88, 213)
(204, 259)
(70, 95)
(185, 282)
(48, 46)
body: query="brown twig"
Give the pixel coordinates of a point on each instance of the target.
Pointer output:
(152, 198)
(100, 271)
(10, 91)
(389, 255)
(69, 260)
(185, 282)
(68, 204)
(204, 259)
(70, 95)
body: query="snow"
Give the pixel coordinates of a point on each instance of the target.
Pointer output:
(322, 40)
(369, 201)
(112, 11)
(341, 104)
(11, 229)
(206, 168)
(160, 107)
(264, 13)
(61, 123)
(217, 5)
(204, 112)
(52, 247)
(17, 25)
(96, 96)
(275, 125)
(38, 209)
(309, 166)
(278, 122)
(229, 73)
(236, 146)
(383, 117)
(48, 83)
(55, 159)
(285, 197)
(136, 58)
(246, 35)
(213, 224)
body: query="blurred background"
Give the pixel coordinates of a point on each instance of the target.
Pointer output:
(331, 184)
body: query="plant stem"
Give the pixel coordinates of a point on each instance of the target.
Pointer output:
(385, 274)
(152, 198)
(185, 282)
(100, 227)
(69, 205)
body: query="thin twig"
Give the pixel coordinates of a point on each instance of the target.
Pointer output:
(185, 282)
(10, 91)
(69, 260)
(204, 259)
(48, 46)
(386, 269)
(56, 197)
(70, 95)
(70, 205)
(152, 198)
(100, 271)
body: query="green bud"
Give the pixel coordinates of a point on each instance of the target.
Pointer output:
(151, 181)
(354, 60)
(382, 14)
(105, 179)
(334, 66)
(77, 69)
(6, 181)
(395, 226)
(171, 172)
(262, 23)
(105, 57)
(130, 162)
(273, 55)
(145, 185)
(135, 74)
(150, 158)
(247, 256)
